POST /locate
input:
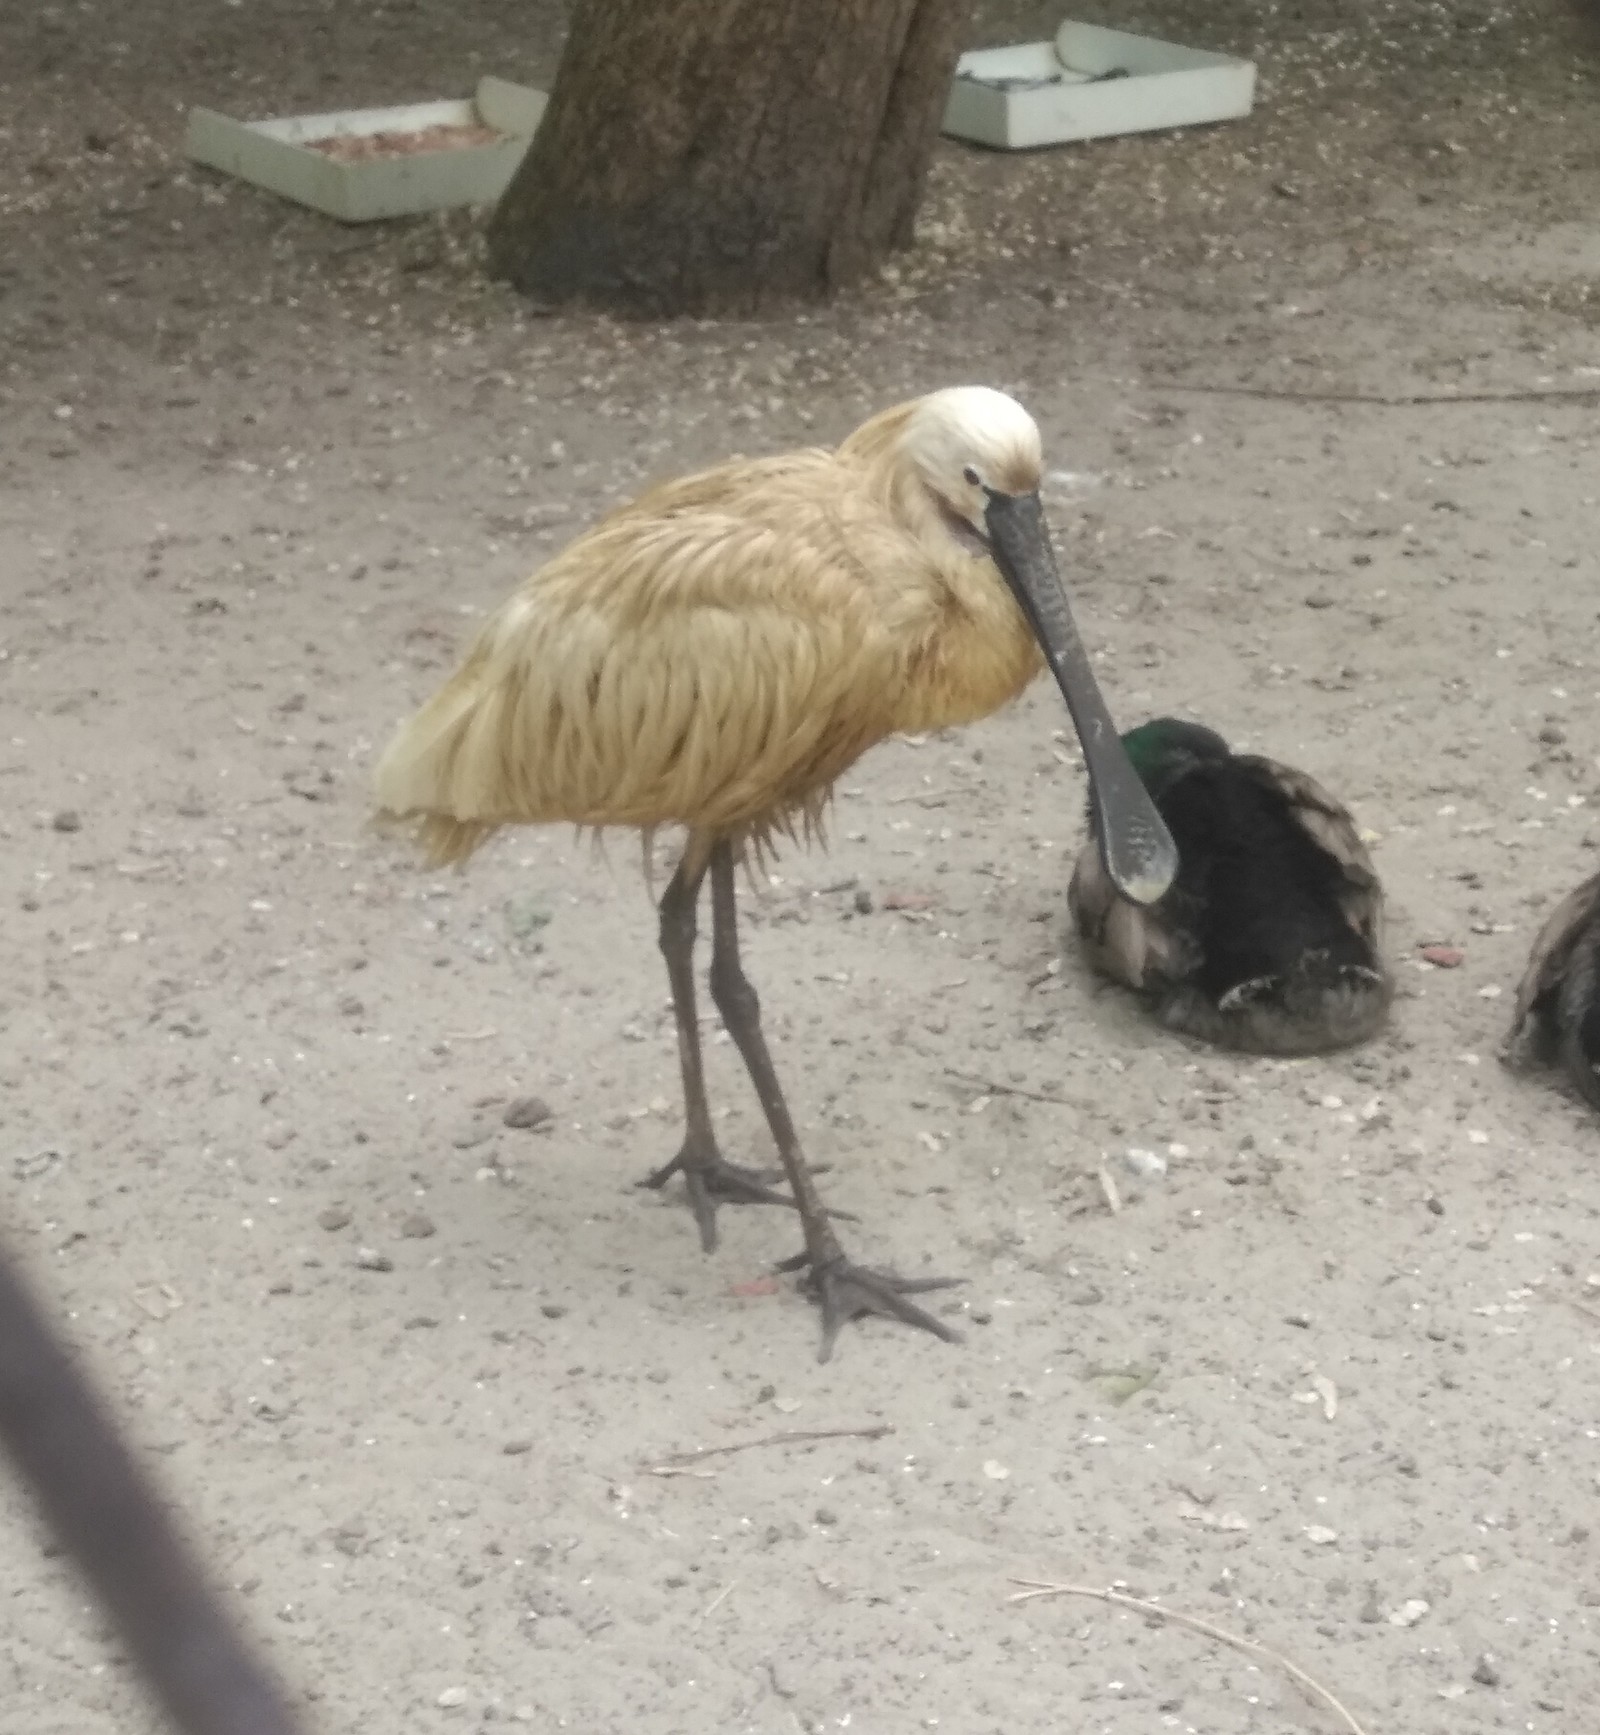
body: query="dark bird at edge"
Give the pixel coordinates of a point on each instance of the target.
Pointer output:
(1556, 1020)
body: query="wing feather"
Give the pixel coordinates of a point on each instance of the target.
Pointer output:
(1329, 825)
(1141, 946)
(684, 662)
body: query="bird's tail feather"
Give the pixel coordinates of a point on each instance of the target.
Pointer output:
(443, 841)
(443, 772)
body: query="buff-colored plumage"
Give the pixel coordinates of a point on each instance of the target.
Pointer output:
(713, 656)
(715, 653)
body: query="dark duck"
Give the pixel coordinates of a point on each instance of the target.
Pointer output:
(1557, 1016)
(1270, 939)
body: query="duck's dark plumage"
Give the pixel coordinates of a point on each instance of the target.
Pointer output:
(1271, 936)
(1557, 1015)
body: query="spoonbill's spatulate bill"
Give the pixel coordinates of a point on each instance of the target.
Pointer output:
(1134, 842)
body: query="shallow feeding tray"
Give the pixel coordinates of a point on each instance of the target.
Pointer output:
(379, 162)
(1090, 83)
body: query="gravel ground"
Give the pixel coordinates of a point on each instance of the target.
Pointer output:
(416, 1374)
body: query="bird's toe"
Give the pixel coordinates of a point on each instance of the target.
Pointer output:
(847, 1292)
(710, 1180)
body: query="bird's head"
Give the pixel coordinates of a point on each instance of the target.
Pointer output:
(977, 454)
(1167, 748)
(1163, 751)
(968, 444)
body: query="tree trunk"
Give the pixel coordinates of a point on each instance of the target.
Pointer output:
(706, 156)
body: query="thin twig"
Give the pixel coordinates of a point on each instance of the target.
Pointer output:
(923, 795)
(1390, 400)
(716, 1601)
(1577, 1306)
(1109, 1188)
(1038, 1588)
(789, 1437)
(974, 1082)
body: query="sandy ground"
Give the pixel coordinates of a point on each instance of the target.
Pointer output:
(1331, 1382)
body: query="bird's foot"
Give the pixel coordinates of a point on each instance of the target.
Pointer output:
(711, 1180)
(847, 1292)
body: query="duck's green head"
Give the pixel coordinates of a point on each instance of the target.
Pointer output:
(1163, 749)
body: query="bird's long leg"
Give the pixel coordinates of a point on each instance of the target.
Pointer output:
(708, 1177)
(843, 1291)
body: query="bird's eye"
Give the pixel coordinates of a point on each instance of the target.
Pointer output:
(971, 477)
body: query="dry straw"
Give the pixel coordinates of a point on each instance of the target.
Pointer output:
(1036, 1589)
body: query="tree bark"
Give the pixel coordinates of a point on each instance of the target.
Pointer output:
(703, 156)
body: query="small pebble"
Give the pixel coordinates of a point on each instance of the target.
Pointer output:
(528, 1112)
(68, 819)
(335, 1217)
(453, 1696)
(370, 1259)
(826, 1515)
(863, 901)
(1486, 1674)
(471, 1137)
(553, 1310)
(1145, 1165)
(516, 1448)
(416, 1227)
(350, 1539)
